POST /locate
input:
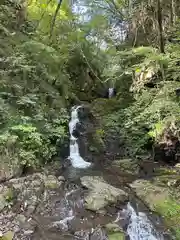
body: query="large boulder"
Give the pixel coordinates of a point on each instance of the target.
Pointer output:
(150, 193)
(101, 194)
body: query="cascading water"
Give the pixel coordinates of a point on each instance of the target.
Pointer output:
(110, 92)
(140, 227)
(75, 158)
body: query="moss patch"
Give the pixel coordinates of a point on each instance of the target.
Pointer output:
(170, 210)
(116, 236)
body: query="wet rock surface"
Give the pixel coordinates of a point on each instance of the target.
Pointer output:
(19, 200)
(47, 206)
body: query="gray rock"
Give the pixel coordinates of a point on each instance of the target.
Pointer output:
(101, 193)
(177, 165)
(98, 234)
(28, 232)
(51, 182)
(61, 179)
(21, 218)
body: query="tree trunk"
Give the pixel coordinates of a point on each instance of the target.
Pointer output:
(160, 28)
(174, 16)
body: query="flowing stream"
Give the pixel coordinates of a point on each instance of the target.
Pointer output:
(62, 213)
(139, 226)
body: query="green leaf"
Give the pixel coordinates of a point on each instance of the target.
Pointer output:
(138, 70)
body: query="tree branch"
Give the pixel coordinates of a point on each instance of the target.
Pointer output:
(54, 17)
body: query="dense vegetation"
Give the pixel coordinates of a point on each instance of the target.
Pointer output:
(53, 55)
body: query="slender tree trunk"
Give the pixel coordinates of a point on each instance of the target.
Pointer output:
(171, 14)
(160, 34)
(174, 16)
(54, 17)
(160, 28)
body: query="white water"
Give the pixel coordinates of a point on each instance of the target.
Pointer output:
(140, 227)
(74, 156)
(110, 92)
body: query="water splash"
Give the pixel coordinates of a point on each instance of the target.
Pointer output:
(75, 158)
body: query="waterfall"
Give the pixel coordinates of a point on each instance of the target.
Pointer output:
(75, 158)
(110, 92)
(140, 227)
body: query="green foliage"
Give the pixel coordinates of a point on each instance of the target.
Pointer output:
(40, 77)
(170, 209)
(144, 112)
(32, 95)
(144, 120)
(96, 144)
(158, 129)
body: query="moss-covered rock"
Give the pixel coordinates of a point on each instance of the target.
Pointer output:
(129, 165)
(101, 194)
(113, 228)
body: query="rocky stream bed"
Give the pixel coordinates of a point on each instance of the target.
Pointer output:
(91, 204)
